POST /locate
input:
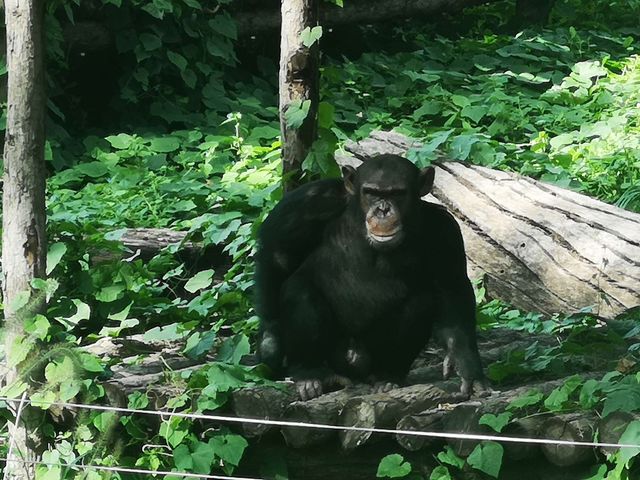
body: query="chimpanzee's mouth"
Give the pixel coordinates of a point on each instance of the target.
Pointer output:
(383, 238)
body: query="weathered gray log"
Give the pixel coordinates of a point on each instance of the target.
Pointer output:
(464, 417)
(539, 247)
(383, 410)
(262, 403)
(322, 410)
(574, 427)
(611, 428)
(427, 421)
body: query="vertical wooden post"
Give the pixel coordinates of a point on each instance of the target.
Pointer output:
(299, 77)
(23, 199)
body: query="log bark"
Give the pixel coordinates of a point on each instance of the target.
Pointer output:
(611, 428)
(382, 410)
(299, 88)
(23, 205)
(253, 18)
(263, 403)
(539, 247)
(323, 410)
(575, 427)
(427, 421)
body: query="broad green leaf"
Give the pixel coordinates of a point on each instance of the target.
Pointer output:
(229, 447)
(296, 113)
(182, 458)
(121, 315)
(532, 397)
(174, 431)
(199, 281)
(461, 146)
(189, 77)
(199, 343)
(177, 59)
(164, 144)
(487, 457)
(326, 113)
(496, 422)
(440, 473)
(631, 436)
(150, 41)
(54, 255)
(625, 398)
(224, 25)
(309, 36)
(450, 457)
(93, 169)
(43, 399)
(122, 141)
(203, 456)
(83, 312)
(393, 466)
(167, 333)
(110, 293)
(233, 349)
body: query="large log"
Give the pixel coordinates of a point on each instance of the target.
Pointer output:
(539, 247)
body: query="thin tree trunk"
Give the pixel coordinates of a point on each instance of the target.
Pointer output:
(298, 84)
(23, 206)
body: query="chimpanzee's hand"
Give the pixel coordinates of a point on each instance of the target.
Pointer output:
(310, 388)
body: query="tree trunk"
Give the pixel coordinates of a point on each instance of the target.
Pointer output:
(23, 202)
(299, 77)
(540, 247)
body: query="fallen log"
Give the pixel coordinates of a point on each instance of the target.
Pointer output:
(427, 421)
(262, 403)
(322, 410)
(382, 410)
(574, 427)
(539, 247)
(611, 428)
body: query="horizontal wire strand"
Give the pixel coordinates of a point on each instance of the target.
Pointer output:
(288, 423)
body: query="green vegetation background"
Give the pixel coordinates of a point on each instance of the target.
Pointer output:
(166, 127)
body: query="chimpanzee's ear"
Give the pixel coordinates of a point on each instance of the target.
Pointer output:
(349, 177)
(427, 175)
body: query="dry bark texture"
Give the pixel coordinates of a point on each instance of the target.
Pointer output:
(540, 247)
(23, 205)
(299, 76)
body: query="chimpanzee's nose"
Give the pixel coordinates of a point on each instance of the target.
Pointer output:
(382, 209)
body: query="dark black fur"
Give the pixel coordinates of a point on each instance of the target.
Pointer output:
(333, 301)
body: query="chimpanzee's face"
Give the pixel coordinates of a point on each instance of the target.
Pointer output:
(387, 196)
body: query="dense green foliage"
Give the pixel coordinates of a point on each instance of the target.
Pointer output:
(172, 130)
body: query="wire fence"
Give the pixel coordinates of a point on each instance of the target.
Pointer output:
(164, 414)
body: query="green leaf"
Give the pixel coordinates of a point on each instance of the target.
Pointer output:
(631, 436)
(190, 78)
(199, 344)
(309, 36)
(182, 458)
(393, 466)
(530, 398)
(174, 431)
(440, 473)
(177, 59)
(326, 113)
(496, 422)
(92, 169)
(233, 349)
(54, 255)
(150, 41)
(229, 448)
(487, 457)
(164, 144)
(296, 113)
(224, 25)
(110, 293)
(83, 312)
(450, 457)
(199, 281)
(625, 398)
(167, 333)
(203, 456)
(461, 146)
(474, 112)
(122, 141)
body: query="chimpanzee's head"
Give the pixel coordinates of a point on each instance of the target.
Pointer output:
(387, 188)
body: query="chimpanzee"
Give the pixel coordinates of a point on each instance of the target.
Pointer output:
(352, 276)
